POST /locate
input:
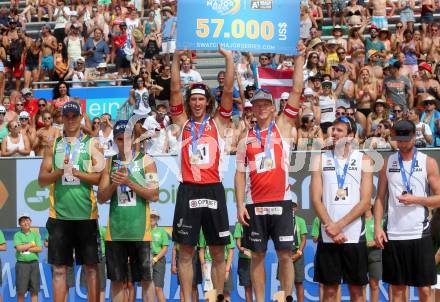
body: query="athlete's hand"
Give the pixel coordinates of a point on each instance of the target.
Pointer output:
(120, 178)
(174, 270)
(380, 237)
(243, 216)
(332, 229)
(295, 257)
(226, 275)
(247, 253)
(408, 199)
(75, 172)
(340, 238)
(223, 51)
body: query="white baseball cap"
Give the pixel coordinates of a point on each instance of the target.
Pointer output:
(285, 95)
(154, 212)
(308, 91)
(24, 114)
(247, 104)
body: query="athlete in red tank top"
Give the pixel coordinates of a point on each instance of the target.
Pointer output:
(202, 135)
(263, 156)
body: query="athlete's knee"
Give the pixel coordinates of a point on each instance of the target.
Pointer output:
(374, 284)
(331, 291)
(355, 292)
(284, 255)
(91, 269)
(59, 272)
(258, 256)
(217, 253)
(186, 253)
(117, 286)
(424, 292)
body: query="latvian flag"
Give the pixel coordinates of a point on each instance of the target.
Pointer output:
(275, 80)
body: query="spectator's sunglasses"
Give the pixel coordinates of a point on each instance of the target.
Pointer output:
(341, 114)
(2, 113)
(96, 122)
(19, 105)
(47, 118)
(397, 111)
(24, 119)
(264, 58)
(428, 102)
(41, 105)
(253, 122)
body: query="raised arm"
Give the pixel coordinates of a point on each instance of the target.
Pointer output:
(287, 118)
(223, 115)
(178, 113)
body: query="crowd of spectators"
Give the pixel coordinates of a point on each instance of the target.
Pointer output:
(368, 70)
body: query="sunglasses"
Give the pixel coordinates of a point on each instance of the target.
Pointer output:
(399, 26)
(2, 113)
(397, 111)
(341, 114)
(96, 123)
(21, 105)
(350, 114)
(15, 127)
(327, 86)
(47, 118)
(427, 103)
(41, 105)
(264, 59)
(341, 53)
(24, 118)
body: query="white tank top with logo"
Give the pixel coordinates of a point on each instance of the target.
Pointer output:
(339, 207)
(407, 222)
(327, 105)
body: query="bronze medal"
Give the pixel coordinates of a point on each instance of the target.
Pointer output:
(340, 193)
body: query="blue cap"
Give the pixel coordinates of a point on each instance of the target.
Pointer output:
(71, 107)
(119, 127)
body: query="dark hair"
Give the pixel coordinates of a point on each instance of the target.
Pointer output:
(209, 98)
(309, 63)
(160, 106)
(135, 84)
(305, 119)
(349, 122)
(56, 90)
(407, 31)
(221, 73)
(386, 124)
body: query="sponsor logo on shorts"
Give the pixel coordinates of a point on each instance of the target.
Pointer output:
(255, 239)
(223, 234)
(268, 210)
(179, 224)
(255, 234)
(285, 238)
(203, 203)
(182, 232)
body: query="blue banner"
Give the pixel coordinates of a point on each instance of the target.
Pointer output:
(99, 99)
(245, 25)
(171, 288)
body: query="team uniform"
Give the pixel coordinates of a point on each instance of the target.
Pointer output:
(348, 261)
(128, 232)
(268, 198)
(201, 201)
(72, 223)
(159, 240)
(408, 256)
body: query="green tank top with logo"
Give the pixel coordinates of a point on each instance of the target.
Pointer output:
(70, 198)
(129, 218)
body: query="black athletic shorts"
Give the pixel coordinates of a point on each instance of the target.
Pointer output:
(69, 236)
(409, 262)
(347, 262)
(118, 253)
(201, 206)
(269, 220)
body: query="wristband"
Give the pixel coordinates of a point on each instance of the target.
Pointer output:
(291, 111)
(299, 252)
(226, 114)
(176, 110)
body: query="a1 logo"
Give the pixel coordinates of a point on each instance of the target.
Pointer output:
(36, 198)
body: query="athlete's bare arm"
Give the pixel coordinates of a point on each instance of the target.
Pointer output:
(47, 175)
(316, 190)
(434, 183)
(286, 120)
(240, 181)
(105, 188)
(178, 113)
(366, 190)
(379, 234)
(150, 191)
(223, 116)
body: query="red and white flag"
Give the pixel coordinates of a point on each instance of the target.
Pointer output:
(275, 80)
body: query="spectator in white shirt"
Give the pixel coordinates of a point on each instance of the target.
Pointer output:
(189, 76)
(156, 126)
(423, 131)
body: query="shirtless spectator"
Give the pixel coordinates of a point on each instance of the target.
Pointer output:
(49, 47)
(73, 20)
(45, 9)
(379, 7)
(46, 135)
(427, 14)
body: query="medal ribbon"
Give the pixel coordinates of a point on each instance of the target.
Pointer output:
(339, 176)
(406, 181)
(269, 134)
(195, 138)
(69, 157)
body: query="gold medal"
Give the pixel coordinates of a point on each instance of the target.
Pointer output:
(268, 163)
(340, 193)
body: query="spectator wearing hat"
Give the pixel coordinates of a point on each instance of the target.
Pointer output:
(344, 91)
(379, 113)
(49, 47)
(385, 38)
(77, 73)
(398, 88)
(26, 128)
(159, 248)
(28, 245)
(96, 50)
(101, 75)
(310, 104)
(331, 57)
(327, 103)
(411, 50)
(30, 105)
(246, 118)
(74, 43)
(15, 143)
(425, 85)
(169, 33)
(338, 33)
(72, 20)
(431, 116)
